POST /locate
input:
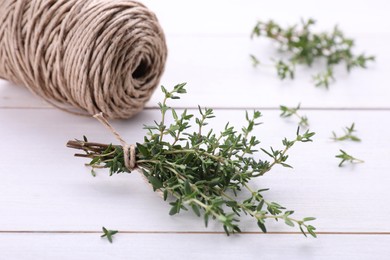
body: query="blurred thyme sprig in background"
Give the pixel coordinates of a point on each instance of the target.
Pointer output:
(348, 134)
(204, 171)
(305, 47)
(293, 111)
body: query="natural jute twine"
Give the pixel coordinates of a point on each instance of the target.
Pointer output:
(129, 151)
(95, 55)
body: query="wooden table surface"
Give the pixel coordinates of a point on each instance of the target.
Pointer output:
(51, 207)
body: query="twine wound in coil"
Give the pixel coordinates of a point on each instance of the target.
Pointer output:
(94, 55)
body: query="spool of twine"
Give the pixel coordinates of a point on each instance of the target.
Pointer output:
(86, 55)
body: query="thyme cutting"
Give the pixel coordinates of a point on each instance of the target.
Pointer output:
(348, 134)
(305, 47)
(293, 111)
(204, 171)
(345, 157)
(108, 233)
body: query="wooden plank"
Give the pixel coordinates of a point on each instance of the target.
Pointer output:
(201, 246)
(217, 66)
(238, 17)
(44, 188)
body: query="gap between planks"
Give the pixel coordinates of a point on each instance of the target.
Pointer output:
(233, 108)
(188, 232)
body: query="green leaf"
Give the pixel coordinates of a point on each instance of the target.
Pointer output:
(143, 150)
(206, 219)
(308, 219)
(165, 194)
(95, 160)
(289, 222)
(311, 229)
(303, 232)
(174, 114)
(260, 206)
(175, 208)
(262, 227)
(187, 188)
(286, 165)
(156, 183)
(195, 208)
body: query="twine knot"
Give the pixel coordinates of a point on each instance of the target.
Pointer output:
(129, 156)
(128, 150)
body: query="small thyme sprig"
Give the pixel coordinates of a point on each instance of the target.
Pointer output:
(293, 111)
(345, 157)
(348, 134)
(202, 170)
(285, 69)
(306, 47)
(108, 233)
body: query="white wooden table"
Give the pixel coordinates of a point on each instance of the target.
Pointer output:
(51, 207)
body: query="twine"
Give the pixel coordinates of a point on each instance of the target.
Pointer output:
(93, 55)
(128, 150)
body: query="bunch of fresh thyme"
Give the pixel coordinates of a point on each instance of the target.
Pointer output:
(203, 171)
(306, 47)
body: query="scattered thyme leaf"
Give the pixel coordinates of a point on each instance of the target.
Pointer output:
(348, 134)
(324, 79)
(285, 69)
(293, 111)
(305, 47)
(345, 157)
(255, 61)
(108, 233)
(204, 170)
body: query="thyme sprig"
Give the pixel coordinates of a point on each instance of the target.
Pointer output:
(108, 233)
(348, 134)
(202, 170)
(345, 157)
(306, 47)
(293, 111)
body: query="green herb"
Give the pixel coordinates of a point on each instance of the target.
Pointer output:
(108, 233)
(255, 61)
(348, 134)
(306, 47)
(324, 78)
(285, 70)
(203, 171)
(345, 157)
(293, 111)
